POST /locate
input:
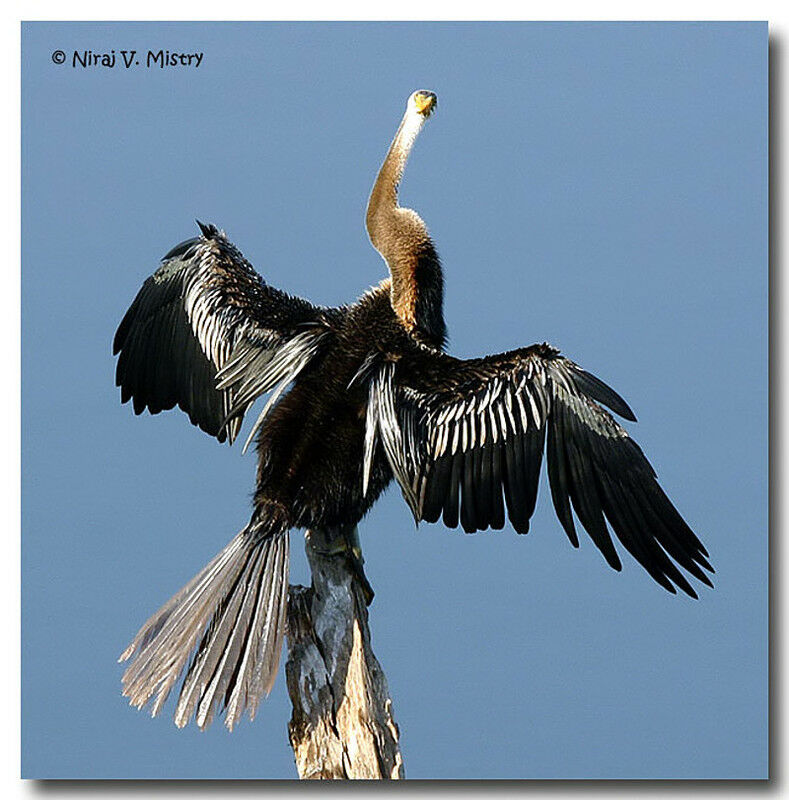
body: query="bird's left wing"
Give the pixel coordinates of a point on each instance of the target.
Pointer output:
(207, 333)
(465, 438)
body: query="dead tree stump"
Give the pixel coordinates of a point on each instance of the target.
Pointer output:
(342, 724)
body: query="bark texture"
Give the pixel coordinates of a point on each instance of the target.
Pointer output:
(342, 724)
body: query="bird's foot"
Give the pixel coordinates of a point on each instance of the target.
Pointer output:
(345, 542)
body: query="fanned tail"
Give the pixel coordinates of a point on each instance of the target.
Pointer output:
(235, 606)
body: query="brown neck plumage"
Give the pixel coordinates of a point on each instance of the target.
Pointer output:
(401, 237)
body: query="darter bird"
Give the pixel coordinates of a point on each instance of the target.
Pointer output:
(362, 395)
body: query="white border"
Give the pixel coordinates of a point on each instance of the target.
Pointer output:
(776, 13)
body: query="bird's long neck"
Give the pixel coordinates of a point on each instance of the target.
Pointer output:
(401, 237)
(383, 199)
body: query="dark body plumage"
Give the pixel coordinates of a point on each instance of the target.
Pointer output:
(362, 395)
(311, 447)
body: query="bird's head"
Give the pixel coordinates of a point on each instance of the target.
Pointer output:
(422, 102)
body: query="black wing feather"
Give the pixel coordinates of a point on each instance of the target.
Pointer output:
(497, 518)
(593, 387)
(514, 479)
(559, 481)
(584, 490)
(533, 445)
(453, 492)
(468, 509)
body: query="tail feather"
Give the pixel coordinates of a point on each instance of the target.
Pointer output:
(164, 642)
(235, 607)
(210, 660)
(262, 670)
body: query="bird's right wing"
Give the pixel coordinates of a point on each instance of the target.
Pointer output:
(465, 439)
(207, 333)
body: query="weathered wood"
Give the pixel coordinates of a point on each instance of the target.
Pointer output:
(342, 725)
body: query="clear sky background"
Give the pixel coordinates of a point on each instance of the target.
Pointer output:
(599, 186)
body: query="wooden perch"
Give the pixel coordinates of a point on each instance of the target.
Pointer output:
(342, 725)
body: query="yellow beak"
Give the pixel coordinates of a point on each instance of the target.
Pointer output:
(425, 103)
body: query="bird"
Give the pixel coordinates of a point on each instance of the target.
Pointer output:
(362, 396)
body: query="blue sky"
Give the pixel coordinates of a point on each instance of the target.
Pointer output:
(599, 186)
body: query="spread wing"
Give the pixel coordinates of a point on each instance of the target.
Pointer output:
(465, 439)
(207, 333)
